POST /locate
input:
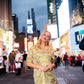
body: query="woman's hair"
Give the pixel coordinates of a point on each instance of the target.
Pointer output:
(40, 40)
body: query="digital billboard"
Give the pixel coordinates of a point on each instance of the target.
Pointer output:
(76, 35)
(29, 21)
(76, 12)
(53, 30)
(30, 29)
(63, 17)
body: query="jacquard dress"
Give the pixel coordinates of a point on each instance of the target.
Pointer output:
(40, 57)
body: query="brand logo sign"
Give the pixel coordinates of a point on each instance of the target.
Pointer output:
(79, 36)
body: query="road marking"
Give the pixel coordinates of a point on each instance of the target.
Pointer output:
(61, 81)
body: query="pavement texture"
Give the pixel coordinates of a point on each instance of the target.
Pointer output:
(11, 78)
(70, 75)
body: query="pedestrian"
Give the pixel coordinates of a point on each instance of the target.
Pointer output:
(66, 60)
(24, 62)
(18, 63)
(5, 59)
(70, 60)
(55, 61)
(4, 54)
(79, 60)
(58, 61)
(73, 60)
(6, 63)
(12, 62)
(41, 58)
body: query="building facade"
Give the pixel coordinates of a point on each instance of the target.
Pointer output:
(5, 14)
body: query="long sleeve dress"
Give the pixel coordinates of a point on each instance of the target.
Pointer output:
(40, 57)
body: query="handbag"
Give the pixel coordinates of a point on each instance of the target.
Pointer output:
(18, 65)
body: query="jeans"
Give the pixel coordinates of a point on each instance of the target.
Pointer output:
(66, 62)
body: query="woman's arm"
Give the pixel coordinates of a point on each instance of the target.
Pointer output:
(43, 68)
(51, 66)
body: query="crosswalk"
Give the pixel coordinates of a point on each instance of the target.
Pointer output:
(61, 81)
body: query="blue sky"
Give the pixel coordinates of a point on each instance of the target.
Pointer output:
(21, 8)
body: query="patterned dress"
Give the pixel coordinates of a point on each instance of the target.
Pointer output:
(40, 57)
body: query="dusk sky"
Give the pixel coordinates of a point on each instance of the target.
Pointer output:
(21, 8)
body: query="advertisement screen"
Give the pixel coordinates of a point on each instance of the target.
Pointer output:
(53, 30)
(76, 35)
(29, 21)
(30, 29)
(63, 17)
(76, 12)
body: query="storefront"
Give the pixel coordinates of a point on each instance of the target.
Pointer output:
(2, 32)
(9, 41)
(6, 40)
(65, 43)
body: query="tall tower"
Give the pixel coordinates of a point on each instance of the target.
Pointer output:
(28, 14)
(15, 23)
(6, 14)
(33, 20)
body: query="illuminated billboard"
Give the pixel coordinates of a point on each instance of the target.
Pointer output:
(76, 35)
(53, 30)
(63, 18)
(29, 21)
(30, 29)
(76, 12)
(25, 43)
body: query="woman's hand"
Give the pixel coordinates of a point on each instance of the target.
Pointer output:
(51, 66)
(44, 68)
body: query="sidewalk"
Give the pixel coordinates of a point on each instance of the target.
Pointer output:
(11, 78)
(72, 75)
(2, 70)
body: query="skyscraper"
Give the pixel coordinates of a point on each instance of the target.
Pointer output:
(15, 24)
(6, 14)
(33, 20)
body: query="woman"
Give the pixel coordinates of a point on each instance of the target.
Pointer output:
(41, 58)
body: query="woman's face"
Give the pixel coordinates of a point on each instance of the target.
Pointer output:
(46, 37)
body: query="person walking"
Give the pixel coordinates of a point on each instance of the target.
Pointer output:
(41, 58)
(79, 60)
(66, 60)
(58, 61)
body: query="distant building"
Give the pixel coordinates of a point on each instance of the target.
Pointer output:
(38, 33)
(33, 20)
(20, 39)
(15, 24)
(6, 33)
(53, 6)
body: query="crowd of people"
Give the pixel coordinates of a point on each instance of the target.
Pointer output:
(72, 60)
(14, 61)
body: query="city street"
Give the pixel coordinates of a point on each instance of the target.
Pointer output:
(32, 32)
(72, 75)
